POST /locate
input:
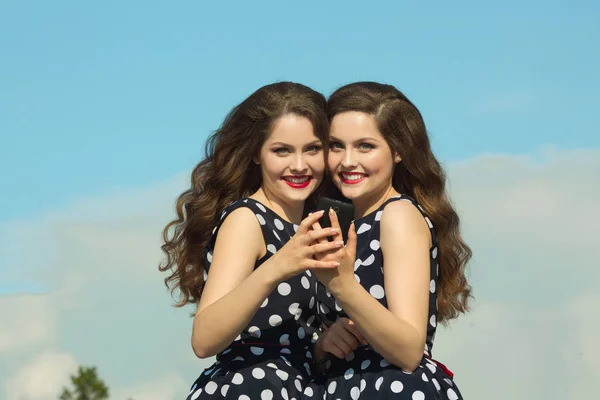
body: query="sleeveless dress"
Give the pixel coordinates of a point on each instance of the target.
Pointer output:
(271, 358)
(365, 374)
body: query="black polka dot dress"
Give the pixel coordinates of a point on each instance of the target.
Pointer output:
(365, 374)
(271, 358)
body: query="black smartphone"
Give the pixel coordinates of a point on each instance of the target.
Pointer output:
(344, 212)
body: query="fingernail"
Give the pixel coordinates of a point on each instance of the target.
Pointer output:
(339, 243)
(320, 211)
(333, 230)
(331, 212)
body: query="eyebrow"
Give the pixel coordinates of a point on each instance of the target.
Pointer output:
(316, 141)
(357, 140)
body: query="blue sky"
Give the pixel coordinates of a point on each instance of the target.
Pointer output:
(99, 96)
(104, 110)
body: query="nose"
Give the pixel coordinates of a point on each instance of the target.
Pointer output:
(298, 164)
(349, 160)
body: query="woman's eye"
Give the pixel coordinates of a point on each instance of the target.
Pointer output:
(335, 145)
(281, 150)
(314, 149)
(366, 146)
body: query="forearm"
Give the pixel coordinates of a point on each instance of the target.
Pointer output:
(396, 340)
(217, 326)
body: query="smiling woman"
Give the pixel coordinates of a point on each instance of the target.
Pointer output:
(240, 252)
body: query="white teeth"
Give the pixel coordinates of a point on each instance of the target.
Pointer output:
(352, 177)
(297, 180)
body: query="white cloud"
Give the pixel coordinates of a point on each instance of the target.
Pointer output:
(531, 221)
(42, 379)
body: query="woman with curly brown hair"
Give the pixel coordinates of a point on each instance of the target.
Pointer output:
(239, 251)
(402, 271)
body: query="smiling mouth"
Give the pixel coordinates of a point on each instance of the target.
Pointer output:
(352, 178)
(297, 182)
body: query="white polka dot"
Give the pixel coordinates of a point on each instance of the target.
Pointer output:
(264, 303)
(365, 364)
(429, 222)
(434, 252)
(275, 320)
(308, 391)
(384, 363)
(377, 291)
(327, 292)
(260, 219)
(354, 393)
(363, 228)
(369, 260)
(378, 215)
(284, 393)
(374, 245)
(278, 224)
(301, 333)
(432, 286)
(208, 371)
(305, 282)
(224, 390)
(357, 263)
(298, 385)
(258, 373)
(311, 303)
(254, 331)
(451, 394)
(337, 306)
(310, 320)
(276, 235)
(238, 358)
(432, 320)
(211, 387)
(284, 288)
(260, 207)
(424, 377)
(257, 350)
(266, 395)
(431, 367)
(308, 273)
(271, 248)
(285, 351)
(324, 308)
(271, 365)
(294, 309)
(349, 373)
(436, 384)
(378, 383)
(295, 228)
(331, 387)
(196, 394)
(350, 357)
(418, 395)
(285, 339)
(363, 385)
(448, 381)
(209, 256)
(205, 275)
(282, 375)
(396, 386)
(237, 379)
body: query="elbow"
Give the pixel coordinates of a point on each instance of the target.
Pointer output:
(201, 349)
(412, 361)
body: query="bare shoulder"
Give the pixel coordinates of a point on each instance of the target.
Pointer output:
(241, 229)
(401, 219)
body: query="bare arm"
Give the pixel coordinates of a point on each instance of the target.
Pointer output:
(234, 290)
(398, 332)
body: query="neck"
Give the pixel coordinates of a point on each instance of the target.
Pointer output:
(371, 201)
(290, 211)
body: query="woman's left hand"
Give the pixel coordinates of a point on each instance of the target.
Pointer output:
(335, 278)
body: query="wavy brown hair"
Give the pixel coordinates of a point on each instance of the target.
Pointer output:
(228, 173)
(418, 175)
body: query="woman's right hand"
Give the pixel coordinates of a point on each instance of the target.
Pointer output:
(340, 339)
(296, 255)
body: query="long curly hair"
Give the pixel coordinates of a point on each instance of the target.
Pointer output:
(418, 175)
(228, 173)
